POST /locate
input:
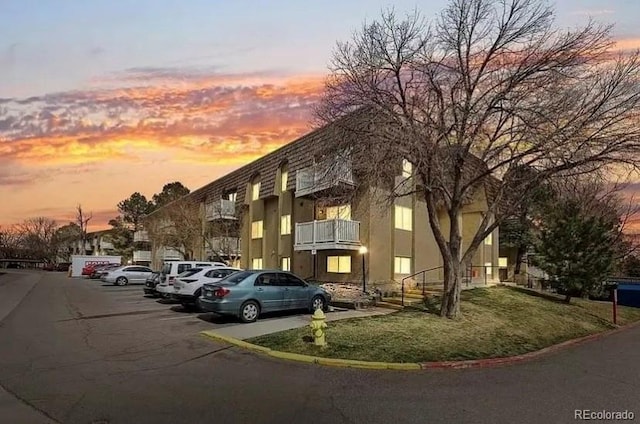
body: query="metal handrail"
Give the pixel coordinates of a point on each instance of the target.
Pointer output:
(424, 273)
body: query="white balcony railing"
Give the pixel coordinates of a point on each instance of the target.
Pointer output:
(327, 234)
(142, 256)
(220, 209)
(169, 254)
(323, 176)
(105, 245)
(140, 236)
(224, 246)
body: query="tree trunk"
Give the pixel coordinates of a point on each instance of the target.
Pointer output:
(453, 269)
(567, 298)
(519, 256)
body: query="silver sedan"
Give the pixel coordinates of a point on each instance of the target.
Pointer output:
(130, 274)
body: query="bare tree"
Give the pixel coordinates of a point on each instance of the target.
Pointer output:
(221, 235)
(486, 88)
(178, 225)
(9, 243)
(37, 238)
(82, 219)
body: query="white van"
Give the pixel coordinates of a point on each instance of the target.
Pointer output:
(171, 269)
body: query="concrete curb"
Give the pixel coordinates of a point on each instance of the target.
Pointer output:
(406, 366)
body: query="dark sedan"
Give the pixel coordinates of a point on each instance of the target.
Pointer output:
(151, 283)
(247, 294)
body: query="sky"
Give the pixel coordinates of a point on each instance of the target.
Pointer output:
(103, 98)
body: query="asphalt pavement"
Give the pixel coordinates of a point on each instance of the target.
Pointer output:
(79, 351)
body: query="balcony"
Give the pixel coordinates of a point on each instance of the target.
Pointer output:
(220, 209)
(105, 245)
(141, 256)
(224, 246)
(140, 236)
(169, 254)
(327, 234)
(323, 176)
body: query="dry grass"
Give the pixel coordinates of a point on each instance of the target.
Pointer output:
(496, 322)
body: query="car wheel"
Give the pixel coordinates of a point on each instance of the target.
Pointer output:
(249, 311)
(318, 302)
(122, 281)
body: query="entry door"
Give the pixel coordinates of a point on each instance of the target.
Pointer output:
(269, 291)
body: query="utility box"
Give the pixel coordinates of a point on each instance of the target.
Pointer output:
(80, 261)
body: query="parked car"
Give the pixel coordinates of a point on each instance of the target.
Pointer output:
(101, 270)
(63, 266)
(188, 285)
(247, 294)
(130, 274)
(88, 269)
(14, 265)
(151, 282)
(49, 267)
(171, 269)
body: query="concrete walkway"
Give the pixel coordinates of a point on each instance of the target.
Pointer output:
(274, 325)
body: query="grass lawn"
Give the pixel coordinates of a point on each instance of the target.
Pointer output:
(496, 322)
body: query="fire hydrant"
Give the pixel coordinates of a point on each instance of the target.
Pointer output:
(317, 327)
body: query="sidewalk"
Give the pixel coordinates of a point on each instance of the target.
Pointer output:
(274, 325)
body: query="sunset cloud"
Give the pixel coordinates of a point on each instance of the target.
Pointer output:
(223, 117)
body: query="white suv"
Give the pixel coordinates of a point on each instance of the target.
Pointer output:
(187, 286)
(171, 269)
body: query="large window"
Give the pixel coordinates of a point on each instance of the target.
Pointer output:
(339, 264)
(256, 263)
(286, 264)
(285, 224)
(489, 240)
(339, 212)
(488, 268)
(256, 229)
(403, 218)
(402, 265)
(284, 176)
(407, 168)
(255, 191)
(232, 196)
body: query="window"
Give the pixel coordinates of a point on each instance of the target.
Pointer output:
(291, 281)
(285, 224)
(256, 229)
(339, 212)
(402, 265)
(488, 267)
(285, 264)
(403, 218)
(219, 273)
(256, 263)
(255, 191)
(267, 279)
(489, 240)
(183, 267)
(339, 264)
(232, 196)
(284, 176)
(407, 168)
(502, 262)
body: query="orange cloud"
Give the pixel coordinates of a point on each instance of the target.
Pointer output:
(225, 118)
(627, 44)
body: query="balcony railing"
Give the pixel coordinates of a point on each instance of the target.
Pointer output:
(327, 234)
(140, 236)
(105, 245)
(169, 254)
(323, 176)
(142, 256)
(220, 209)
(224, 246)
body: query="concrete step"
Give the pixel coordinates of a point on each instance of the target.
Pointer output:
(398, 301)
(388, 305)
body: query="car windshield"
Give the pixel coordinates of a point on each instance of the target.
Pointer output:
(236, 277)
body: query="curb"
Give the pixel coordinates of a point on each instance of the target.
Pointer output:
(406, 366)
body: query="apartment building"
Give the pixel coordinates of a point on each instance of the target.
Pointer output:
(96, 244)
(291, 214)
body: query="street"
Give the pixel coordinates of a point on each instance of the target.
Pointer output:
(79, 351)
